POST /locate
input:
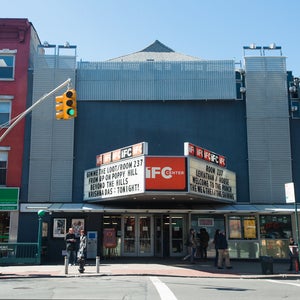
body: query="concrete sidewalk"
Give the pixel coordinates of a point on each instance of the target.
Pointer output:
(151, 267)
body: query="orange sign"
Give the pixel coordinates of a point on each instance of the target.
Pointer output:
(165, 173)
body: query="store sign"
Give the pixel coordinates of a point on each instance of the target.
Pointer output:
(166, 173)
(211, 181)
(126, 177)
(199, 152)
(9, 198)
(123, 153)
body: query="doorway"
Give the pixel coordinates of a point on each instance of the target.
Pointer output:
(169, 235)
(138, 235)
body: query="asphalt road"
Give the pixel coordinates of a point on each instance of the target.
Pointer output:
(149, 287)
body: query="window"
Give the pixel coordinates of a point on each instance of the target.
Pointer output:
(5, 108)
(4, 227)
(242, 227)
(3, 167)
(275, 227)
(7, 65)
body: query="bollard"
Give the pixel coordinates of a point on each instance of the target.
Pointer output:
(66, 264)
(97, 263)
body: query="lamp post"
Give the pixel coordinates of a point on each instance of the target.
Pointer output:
(40, 213)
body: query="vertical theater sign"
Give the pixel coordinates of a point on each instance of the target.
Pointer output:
(129, 171)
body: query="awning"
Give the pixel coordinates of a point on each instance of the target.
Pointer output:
(210, 209)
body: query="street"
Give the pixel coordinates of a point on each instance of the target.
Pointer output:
(148, 287)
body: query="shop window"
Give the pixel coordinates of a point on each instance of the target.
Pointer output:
(4, 227)
(275, 231)
(242, 227)
(3, 167)
(275, 227)
(5, 109)
(7, 65)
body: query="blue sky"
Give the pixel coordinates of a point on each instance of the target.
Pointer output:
(215, 29)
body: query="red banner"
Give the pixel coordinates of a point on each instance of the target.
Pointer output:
(109, 238)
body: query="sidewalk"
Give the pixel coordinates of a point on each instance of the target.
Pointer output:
(151, 267)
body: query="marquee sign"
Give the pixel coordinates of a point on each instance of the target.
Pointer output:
(211, 181)
(123, 153)
(199, 152)
(125, 177)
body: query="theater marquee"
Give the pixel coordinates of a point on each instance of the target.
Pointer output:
(211, 181)
(126, 177)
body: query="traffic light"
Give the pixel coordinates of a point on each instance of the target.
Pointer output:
(70, 105)
(66, 106)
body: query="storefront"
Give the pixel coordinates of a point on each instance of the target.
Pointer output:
(124, 232)
(9, 205)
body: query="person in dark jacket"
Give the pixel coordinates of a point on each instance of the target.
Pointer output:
(216, 243)
(71, 246)
(203, 239)
(223, 251)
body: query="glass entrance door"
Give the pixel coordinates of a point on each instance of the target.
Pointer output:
(173, 237)
(177, 229)
(138, 235)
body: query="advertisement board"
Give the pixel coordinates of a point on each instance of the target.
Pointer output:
(125, 177)
(211, 181)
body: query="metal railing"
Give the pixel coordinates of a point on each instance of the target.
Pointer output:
(18, 253)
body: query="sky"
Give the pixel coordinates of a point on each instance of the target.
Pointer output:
(215, 29)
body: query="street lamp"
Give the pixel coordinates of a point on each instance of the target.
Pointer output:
(40, 213)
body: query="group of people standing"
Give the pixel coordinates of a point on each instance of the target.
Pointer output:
(220, 242)
(73, 254)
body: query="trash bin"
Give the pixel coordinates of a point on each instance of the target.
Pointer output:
(266, 264)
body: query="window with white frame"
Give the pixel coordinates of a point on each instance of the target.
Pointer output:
(3, 166)
(5, 110)
(7, 66)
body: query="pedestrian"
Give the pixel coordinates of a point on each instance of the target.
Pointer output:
(71, 246)
(82, 251)
(223, 251)
(294, 255)
(216, 243)
(192, 246)
(204, 239)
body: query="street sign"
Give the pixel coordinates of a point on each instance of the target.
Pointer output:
(289, 192)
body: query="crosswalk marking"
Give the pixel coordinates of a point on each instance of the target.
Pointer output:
(164, 292)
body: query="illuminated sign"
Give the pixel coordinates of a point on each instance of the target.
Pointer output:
(199, 152)
(125, 177)
(211, 181)
(123, 153)
(165, 173)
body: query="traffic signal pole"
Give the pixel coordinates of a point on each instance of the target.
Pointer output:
(28, 110)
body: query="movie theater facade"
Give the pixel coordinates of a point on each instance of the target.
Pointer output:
(164, 142)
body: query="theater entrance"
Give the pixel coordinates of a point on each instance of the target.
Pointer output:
(138, 235)
(153, 235)
(169, 235)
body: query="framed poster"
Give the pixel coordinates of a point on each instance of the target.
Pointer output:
(77, 225)
(59, 227)
(250, 228)
(235, 230)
